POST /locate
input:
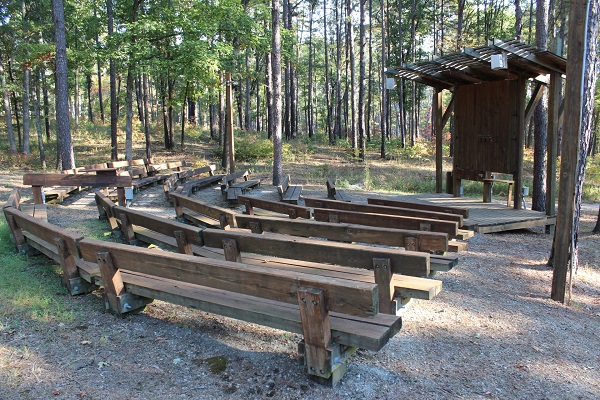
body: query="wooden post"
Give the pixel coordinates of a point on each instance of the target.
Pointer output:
(70, 278)
(383, 278)
(111, 277)
(121, 200)
(518, 175)
(230, 248)
(183, 245)
(552, 146)
(115, 296)
(316, 328)
(38, 194)
(20, 242)
(178, 208)
(436, 123)
(578, 17)
(229, 120)
(127, 229)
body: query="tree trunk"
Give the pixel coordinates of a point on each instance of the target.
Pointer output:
(187, 88)
(518, 20)
(100, 97)
(7, 111)
(15, 104)
(597, 227)
(165, 114)
(269, 95)
(129, 113)
(63, 129)
(540, 118)
(139, 99)
(145, 91)
(328, 129)
(46, 106)
(38, 119)
(383, 121)
(114, 107)
(26, 110)
(214, 126)
(88, 81)
(309, 105)
(276, 108)
(77, 100)
(338, 78)
(361, 82)
(370, 84)
(352, 89)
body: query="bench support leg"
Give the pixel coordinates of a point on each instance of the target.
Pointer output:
(324, 360)
(182, 244)
(115, 296)
(232, 253)
(70, 277)
(20, 242)
(382, 268)
(127, 229)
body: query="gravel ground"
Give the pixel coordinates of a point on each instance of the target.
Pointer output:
(491, 333)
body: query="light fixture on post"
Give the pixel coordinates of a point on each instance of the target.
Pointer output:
(499, 61)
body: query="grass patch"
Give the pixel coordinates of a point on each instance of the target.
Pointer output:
(29, 287)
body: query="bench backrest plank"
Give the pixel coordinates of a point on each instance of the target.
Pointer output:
(44, 230)
(40, 179)
(419, 206)
(293, 211)
(344, 296)
(163, 226)
(350, 255)
(436, 242)
(210, 169)
(380, 209)
(14, 199)
(200, 207)
(386, 221)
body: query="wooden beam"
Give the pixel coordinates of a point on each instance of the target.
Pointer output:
(536, 96)
(38, 179)
(437, 118)
(578, 17)
(524, 55)
(429, 242)
(350, 255)
(419, 206)
(448, 112)
(518, 175)
(552, 146)
(386, 221)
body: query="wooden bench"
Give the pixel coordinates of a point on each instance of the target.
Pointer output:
(291, 210)
(262, 250)
(232, 187)
(187, 182)
(488, 184)
(32, 235)
(335, 316)
(201, 213)
(377, 209)
(334, 193)
(289, 193)
(38, 181)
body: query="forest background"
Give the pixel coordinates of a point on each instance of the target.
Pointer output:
(142, 73)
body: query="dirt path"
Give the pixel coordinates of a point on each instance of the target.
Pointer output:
(491, 333)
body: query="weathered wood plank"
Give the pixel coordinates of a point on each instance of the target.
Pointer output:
(435, 242)
(366, 333)
(346, 296)
(377, 209)
(203, 208)
(419, 206)
(356, 256)
(386, 221)
(293, 211)
(39, 179)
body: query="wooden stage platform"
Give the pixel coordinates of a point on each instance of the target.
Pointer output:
(486, 217)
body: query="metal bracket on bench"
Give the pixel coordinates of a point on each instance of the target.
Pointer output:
(78, 286)
(334, 218)
(410, 243)
(255, 227)
(127, 302)
(337, 358)
(425, 226)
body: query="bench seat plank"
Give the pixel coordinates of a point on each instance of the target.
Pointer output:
(347, 331)
(292, 194)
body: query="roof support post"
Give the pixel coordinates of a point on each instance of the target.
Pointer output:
(553, 117)
(436, 123)
(518, 176)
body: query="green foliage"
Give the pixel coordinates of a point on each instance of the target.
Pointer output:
(591, 187)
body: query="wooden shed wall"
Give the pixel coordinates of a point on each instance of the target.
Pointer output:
(486, 118)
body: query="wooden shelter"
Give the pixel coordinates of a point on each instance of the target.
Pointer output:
(490, 109)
